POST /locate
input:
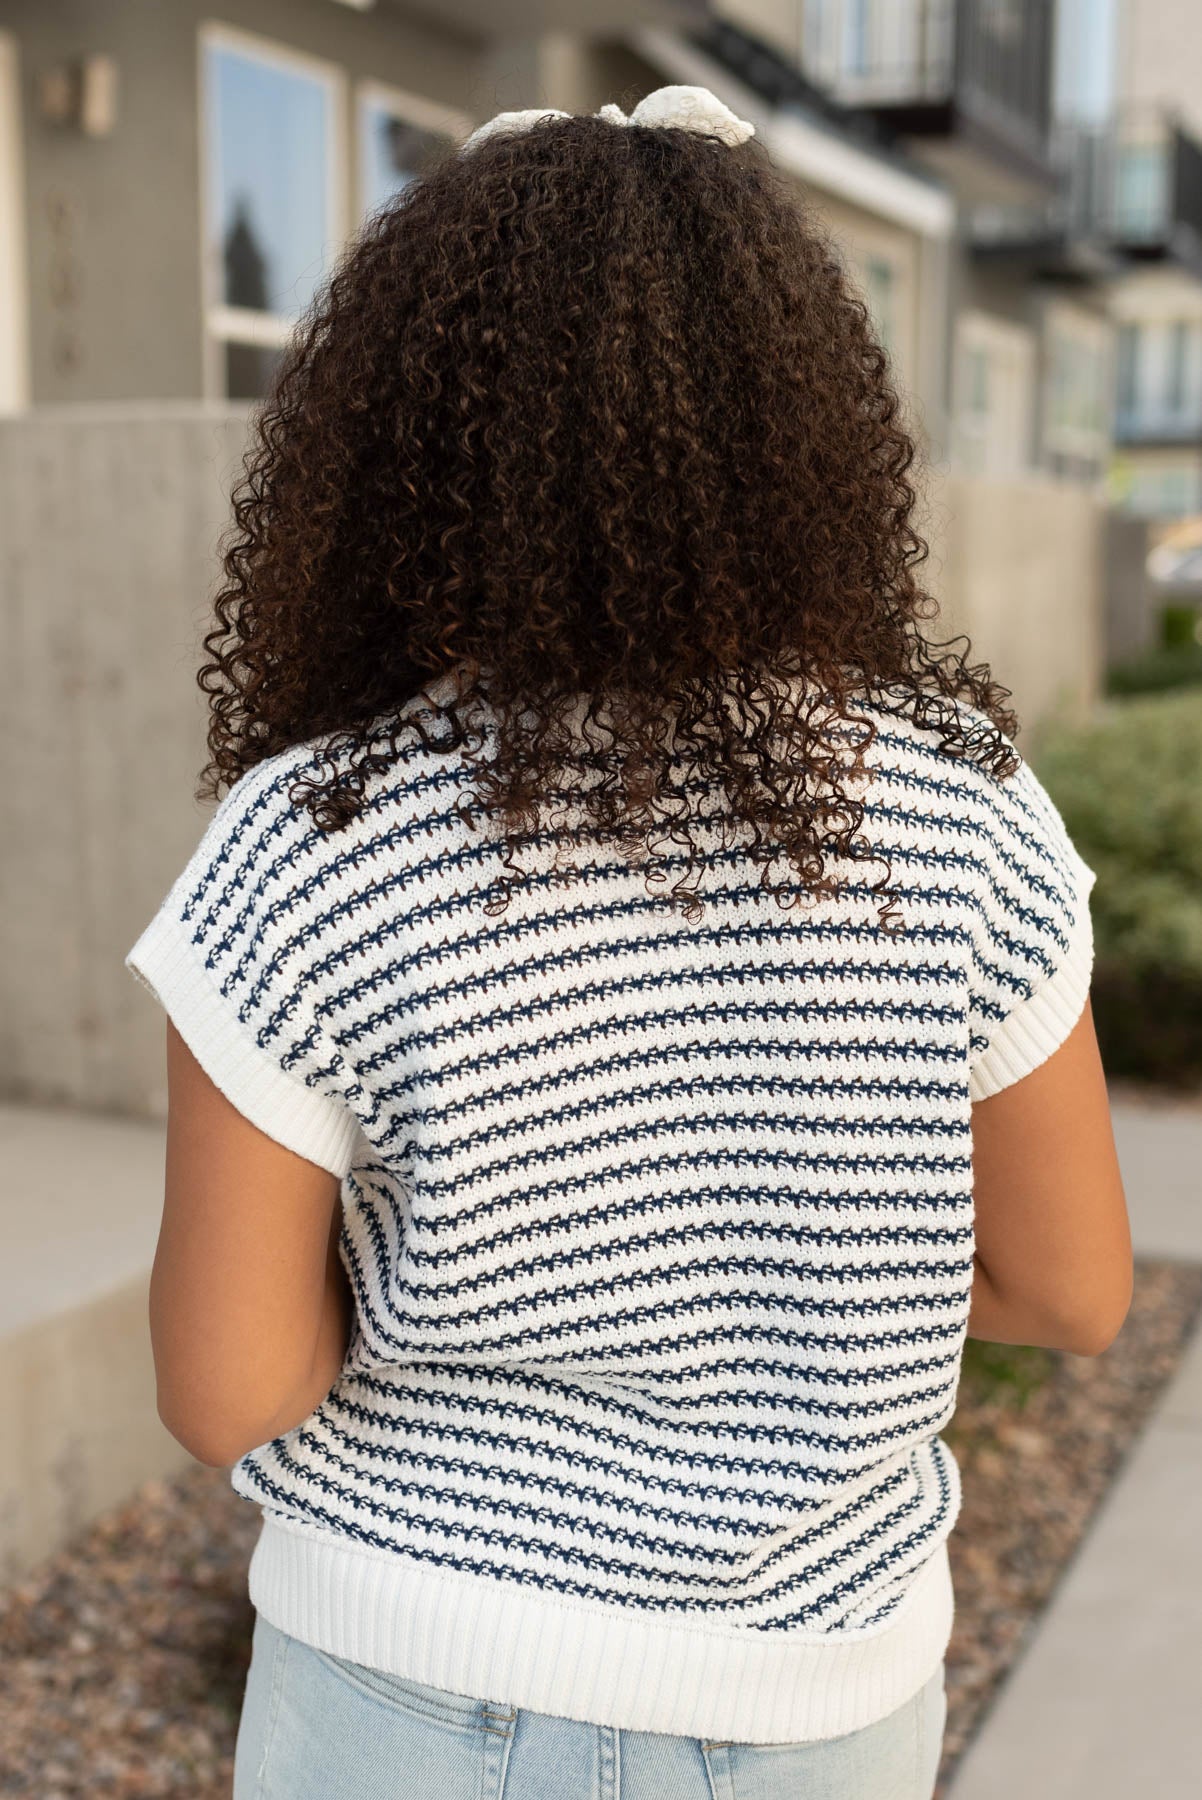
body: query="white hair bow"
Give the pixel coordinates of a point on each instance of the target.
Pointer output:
(693, 108)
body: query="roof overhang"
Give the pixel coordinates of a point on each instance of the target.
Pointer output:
(807, 147)
(496, 20)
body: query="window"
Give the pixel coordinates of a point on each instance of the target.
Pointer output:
(978, 382)
(272, 216)
(1174, 397)
(1128, 369)
(1076, 396)
(399, 136)
(1160, 379)
(1141, 189)
(1165, 493)
(880, 286)
(856, 25)
(993, 397)
(973, 432)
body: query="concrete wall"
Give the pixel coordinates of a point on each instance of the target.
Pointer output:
(108, 523)
(79, 1424)
(1019, 566)
(79, 1429)
(1131, 607)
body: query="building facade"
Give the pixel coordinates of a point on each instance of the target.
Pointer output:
(176, 180)
(1071, 133)
(1151, 190)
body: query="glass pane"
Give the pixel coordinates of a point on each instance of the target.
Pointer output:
(978, 376)
(268, 176)
(856, 27)
(879, 284)
(1174, 398)
(1128, 349)
(1141, 188)
(1059, 357)
(392, 152)
(249, 369)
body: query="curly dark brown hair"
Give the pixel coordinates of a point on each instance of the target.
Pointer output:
(591, 410)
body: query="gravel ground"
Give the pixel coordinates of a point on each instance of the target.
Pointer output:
(125, 1656)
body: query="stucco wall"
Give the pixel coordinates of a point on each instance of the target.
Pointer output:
(108, 524)
(919, 274)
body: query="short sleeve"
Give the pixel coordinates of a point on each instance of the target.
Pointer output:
(230, 954)
(1033, 937)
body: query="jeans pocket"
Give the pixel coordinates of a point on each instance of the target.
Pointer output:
(344, 1728)
(439, 1706)
(891, 1757)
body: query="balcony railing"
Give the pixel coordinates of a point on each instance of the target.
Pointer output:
(1146, 425)
(1137, 180)
(988, 62)
(1133, 183)
(882, 52)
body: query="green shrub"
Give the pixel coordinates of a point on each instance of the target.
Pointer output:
(1179, 627)
(1129, 787)
(1155, 671)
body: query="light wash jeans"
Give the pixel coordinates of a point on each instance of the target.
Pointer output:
(315, 1727)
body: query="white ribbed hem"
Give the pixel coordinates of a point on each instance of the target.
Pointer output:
(520, 1646)
(1039, 1026)
(165, 960)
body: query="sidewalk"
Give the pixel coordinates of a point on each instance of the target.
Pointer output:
(1105, 1700)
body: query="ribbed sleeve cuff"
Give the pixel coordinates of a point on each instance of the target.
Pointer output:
(1039, 1026)
(315, 1126)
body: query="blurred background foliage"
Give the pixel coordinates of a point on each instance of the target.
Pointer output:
(1174, 661)
(1129, 787)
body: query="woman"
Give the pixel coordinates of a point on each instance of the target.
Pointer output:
(628, 1016)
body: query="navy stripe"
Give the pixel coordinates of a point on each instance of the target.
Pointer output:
(662, 1237)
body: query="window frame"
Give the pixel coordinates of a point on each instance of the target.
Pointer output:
(882, 298)
(1080, 352)
(1157, 334)
(222, 324)
(1141, 187)
(1176, 395)
(1130, 352)
(14, 285)
(998, 442)
(412, 109)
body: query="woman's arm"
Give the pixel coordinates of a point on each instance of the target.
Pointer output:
(329, 1354)
(1053, 1242)
(1006, 1322)
(250, 1309)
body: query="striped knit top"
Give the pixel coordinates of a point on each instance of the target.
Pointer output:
(660, 1233)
